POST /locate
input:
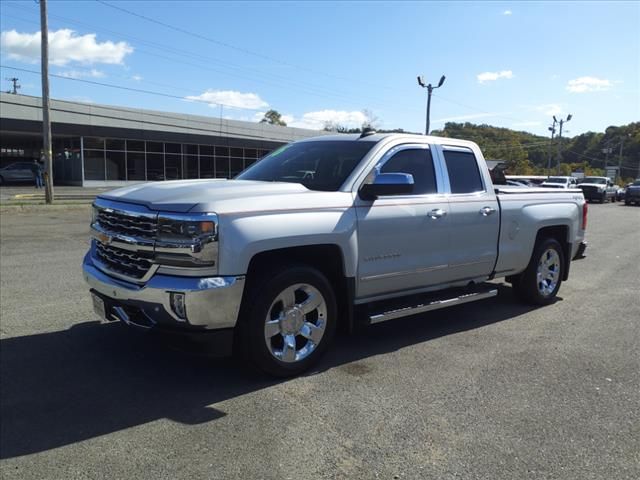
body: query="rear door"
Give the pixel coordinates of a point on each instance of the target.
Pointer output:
(474, 215)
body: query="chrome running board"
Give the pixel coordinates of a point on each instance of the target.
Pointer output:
(432, 304)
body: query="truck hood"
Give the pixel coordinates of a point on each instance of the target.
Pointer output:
(223, 196)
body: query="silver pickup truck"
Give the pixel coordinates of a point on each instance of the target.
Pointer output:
(327, 232)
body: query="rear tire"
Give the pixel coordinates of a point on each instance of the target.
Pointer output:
(540, 282)
(287, 320)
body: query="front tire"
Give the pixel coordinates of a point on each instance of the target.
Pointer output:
(287, 321)
(540, 282)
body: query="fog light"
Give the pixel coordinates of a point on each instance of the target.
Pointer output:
(178, 305)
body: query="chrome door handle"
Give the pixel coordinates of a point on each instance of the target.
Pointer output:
(486, 211)
(437, 213)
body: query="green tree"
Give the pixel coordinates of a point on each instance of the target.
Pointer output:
(273, 117)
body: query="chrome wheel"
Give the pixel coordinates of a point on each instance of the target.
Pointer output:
(295, 323)
(548, 273)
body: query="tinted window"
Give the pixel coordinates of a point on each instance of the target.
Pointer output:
(318, 165)
(418, 163)
(464, 175)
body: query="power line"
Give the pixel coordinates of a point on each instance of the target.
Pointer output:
(131, 89)
(207, 59)
(257, 77)
(228, 45)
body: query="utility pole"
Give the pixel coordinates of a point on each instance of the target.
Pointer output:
(16, 85)
(46, 121)
(552, 129)
(620, 155)
(561, 122)
(430, 88)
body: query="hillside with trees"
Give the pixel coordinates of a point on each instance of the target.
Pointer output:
(528, 154)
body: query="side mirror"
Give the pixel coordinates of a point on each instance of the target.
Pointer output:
(387, 184)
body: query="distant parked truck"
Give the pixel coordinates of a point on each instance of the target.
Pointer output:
(560, 182)
(325, 232)
(600, 189)
(632, 193)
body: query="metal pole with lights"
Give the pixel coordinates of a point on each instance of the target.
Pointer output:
(430, 88)
(561, 122)
(552, 129)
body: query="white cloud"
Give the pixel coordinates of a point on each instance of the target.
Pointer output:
(492, 76)
(93, 73)
(507, 12)
(550, 109)
(137, 78)
(588, 84)
(319, 119)
(287, 119)
(65, 46)
(230, 98)
(472, 116)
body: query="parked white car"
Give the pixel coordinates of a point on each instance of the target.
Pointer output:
(560, 182)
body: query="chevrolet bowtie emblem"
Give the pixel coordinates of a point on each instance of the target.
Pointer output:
(104, 238)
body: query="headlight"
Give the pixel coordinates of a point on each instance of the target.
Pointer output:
(187, 240)
(94, 214)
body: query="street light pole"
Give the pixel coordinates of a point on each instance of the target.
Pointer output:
(561, 122)
(430, 88)
(552, 129)
(46, 121)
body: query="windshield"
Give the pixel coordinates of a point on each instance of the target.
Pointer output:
(636, 183)
(320, 165)
(602, 181)
(556, 180)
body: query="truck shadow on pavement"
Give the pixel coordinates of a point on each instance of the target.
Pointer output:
(64, 387)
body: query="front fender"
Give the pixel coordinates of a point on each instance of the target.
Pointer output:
(242, 236)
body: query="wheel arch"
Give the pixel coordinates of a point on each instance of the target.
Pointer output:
(561, 234)
(327, 258)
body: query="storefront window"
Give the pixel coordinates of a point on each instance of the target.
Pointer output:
(94, 164)
(173, 166)
(207, 169)
(155, 166)
(135, 166)
(115, 144)
(116, 169)
(135, 145)
(222, 167)
(93, 143)
(157, 147)
(191, 166)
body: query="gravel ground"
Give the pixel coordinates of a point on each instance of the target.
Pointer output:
(489, 390)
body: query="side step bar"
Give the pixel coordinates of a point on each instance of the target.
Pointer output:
(432, 304)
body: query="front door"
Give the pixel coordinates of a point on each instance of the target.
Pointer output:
(403, 239)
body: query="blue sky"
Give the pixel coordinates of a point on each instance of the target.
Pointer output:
(511, 64)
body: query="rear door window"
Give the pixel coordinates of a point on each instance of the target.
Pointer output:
(464, 175)
(417, 162)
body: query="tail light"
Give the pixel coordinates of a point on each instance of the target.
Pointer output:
(585, 210)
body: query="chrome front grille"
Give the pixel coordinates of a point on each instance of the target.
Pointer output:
(124, 262)
(129, 224)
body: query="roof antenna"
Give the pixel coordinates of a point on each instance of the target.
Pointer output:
(366, 131)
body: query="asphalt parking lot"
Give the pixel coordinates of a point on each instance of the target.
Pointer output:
(481, 391)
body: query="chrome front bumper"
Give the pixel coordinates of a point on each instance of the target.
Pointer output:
(212, 303)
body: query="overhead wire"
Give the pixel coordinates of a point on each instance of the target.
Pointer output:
(279, 81)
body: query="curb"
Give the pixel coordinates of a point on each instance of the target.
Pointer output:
(43, 207)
